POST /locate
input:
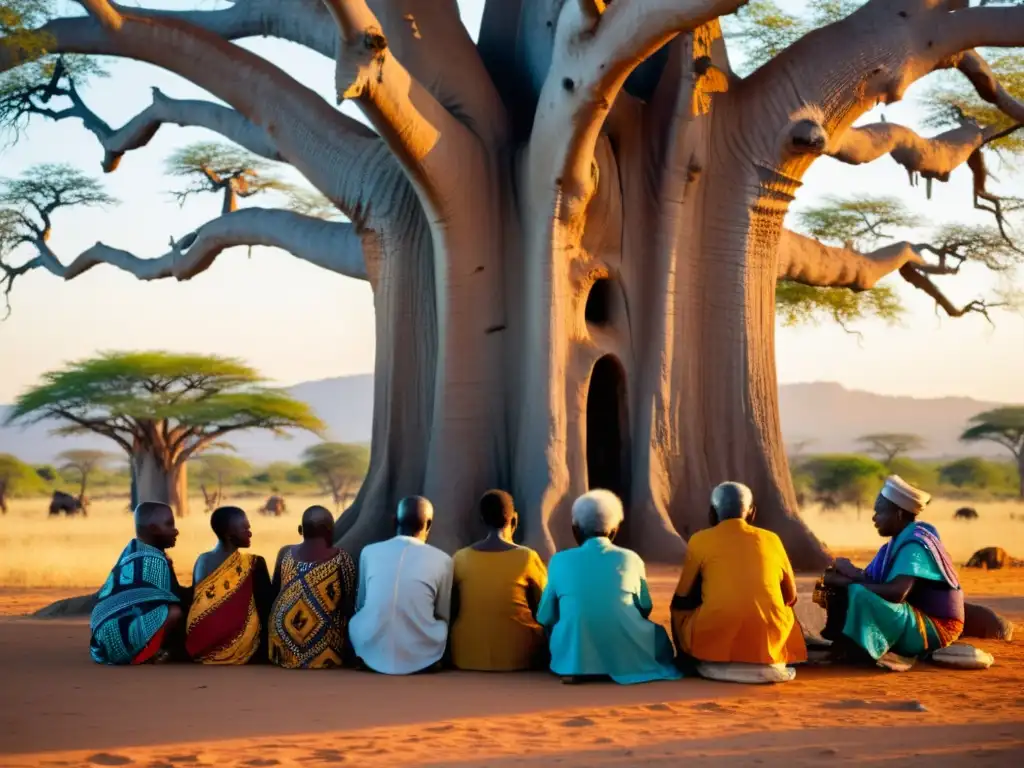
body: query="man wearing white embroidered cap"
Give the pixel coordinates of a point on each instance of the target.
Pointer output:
(907, 603)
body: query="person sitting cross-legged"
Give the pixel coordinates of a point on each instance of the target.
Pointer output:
(404, 597)
(314, 583)
(734, 601)
(227, 623)
(908, 602)
(139, 614)
(495, 595)
(596, 605)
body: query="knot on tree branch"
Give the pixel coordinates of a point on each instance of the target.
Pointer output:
(807, 137)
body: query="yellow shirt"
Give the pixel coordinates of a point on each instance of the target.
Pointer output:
(495, 630)
(743, 616)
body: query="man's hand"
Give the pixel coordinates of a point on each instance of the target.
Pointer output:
(847, 569)
(837, 580)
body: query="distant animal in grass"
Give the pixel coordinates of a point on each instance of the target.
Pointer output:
(966, 513)
(274, 506)
(992, 559)
(65, 503)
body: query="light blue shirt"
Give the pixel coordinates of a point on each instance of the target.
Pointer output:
(595, 607)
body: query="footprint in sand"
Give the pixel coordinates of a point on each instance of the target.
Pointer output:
(105, 758)
(578, 722)
(659, 708)
(261, 762)
(887, 706)
(441, 728)
(183, 759)
(711, 706)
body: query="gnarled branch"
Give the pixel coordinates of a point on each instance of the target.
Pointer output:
(808, 261)
(332, 245)
(307, 131)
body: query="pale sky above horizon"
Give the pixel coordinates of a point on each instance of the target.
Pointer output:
(295, 322)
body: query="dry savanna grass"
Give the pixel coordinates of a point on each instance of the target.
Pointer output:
(36, 551)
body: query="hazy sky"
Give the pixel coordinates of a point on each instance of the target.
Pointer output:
(296, 322)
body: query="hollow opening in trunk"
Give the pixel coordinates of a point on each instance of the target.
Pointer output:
(608, 428)
(599, 302)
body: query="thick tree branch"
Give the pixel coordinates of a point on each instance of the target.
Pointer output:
(140, 130)
(311, 135)
(988, 87)
(808, 261)
(416, 30)
(332, 245)
(934, 158)
(979, 27)
(423, 135)
(103, 12)
(595, 51)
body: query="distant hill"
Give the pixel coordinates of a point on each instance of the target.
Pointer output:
(830, 416)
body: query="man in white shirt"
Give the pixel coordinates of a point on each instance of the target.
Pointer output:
(404, 598)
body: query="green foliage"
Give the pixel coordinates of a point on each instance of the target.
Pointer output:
(857, 222)
(919, 473)
(952, 99)
(31, 199)
(192, 399)
(844, 479)
(974, 473)
(338, 467)
(798, 304)
(219, 469)
(18, 478)
(889, 446)
(1002, 425)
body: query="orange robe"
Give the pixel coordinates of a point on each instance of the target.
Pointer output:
(742, 617)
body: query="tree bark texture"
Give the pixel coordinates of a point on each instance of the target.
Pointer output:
(573, 230)
(159, 480)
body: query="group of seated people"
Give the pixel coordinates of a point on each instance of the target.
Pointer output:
(410, 608)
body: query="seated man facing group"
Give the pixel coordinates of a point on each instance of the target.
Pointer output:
(140, 609)
(495, 594)
(404, 597)
(735, 595)
(315, 586)
(908, 601)
(596, 605)
(227, 623)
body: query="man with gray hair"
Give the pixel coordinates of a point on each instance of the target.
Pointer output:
(596, 605)
(403, 601)
(734, 601)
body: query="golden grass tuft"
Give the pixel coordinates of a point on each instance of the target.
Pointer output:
(36, 551)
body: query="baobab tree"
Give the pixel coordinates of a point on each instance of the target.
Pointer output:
(573, 226)
(161, 409)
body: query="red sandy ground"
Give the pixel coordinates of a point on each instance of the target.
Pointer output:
(59, 709)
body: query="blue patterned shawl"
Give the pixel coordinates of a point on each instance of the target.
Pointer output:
(132, 605)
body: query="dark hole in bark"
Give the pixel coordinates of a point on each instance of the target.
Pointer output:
(608, 429)
(568, 84)
(599, 302)
(902, 14)
(702, 64)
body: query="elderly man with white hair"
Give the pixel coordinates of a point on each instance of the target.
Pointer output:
(596, 605)
(404, 597)
(907, 603)
(734, 601)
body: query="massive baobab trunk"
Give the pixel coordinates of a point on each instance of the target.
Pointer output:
(154, 481)
(573, 228)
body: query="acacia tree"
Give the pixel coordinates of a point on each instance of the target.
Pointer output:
(213, 167)
(890, 446)
(162, 409)
(583, 208)
(338, 467)
(84, 462)
(218, 470)
(1004, 426)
